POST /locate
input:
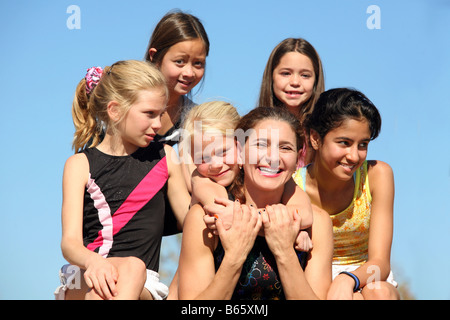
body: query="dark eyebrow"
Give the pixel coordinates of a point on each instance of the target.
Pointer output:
(346, 138)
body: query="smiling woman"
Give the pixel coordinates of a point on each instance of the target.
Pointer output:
(228, 266)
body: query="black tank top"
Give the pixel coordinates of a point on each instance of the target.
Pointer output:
(124, 204)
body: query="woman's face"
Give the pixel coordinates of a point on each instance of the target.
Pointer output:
(270, 155)
(293, 80)
(183, 65)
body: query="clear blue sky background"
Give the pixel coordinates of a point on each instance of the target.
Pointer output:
(404, 67)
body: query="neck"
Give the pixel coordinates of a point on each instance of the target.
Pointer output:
(114, 146)
(172, 114)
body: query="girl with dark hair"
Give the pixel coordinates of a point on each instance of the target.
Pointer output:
(340, 127)
(178, 47)
(294, 79)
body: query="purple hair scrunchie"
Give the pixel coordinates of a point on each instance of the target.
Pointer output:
(92, 77)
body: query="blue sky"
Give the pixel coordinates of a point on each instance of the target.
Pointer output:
(403, 67)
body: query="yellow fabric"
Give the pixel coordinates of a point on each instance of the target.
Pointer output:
(351, 226)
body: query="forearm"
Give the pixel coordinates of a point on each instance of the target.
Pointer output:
(373, 270)
(305, 213)
(224, 282)
(292, 277)
(76, 254)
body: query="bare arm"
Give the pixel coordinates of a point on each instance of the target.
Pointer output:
(382, 188)
(297, 199)
(319, 267)
(281, 230)
(377, 267)
(204, 190)
(99, 274)
(197, 277)
(177, 191)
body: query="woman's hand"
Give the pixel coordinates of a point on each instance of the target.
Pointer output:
(101, 276)
(238, 240)
(281, 229)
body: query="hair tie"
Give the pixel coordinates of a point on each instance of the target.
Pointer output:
(92, 77)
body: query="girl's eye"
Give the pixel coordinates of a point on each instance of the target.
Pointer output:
(261, 144)
(363, 145)
(179, 62)
(199, 64)
(286, 148)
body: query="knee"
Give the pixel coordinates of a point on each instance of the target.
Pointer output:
(380, 290)
(134, 266)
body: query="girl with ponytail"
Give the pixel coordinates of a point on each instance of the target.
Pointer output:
(115, 186)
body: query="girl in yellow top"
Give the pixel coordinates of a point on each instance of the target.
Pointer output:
(340, 128)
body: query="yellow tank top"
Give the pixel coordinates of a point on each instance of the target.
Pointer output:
(351, 226)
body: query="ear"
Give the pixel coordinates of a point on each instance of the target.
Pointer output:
(314, 138)
(113, 111)
(151, 53)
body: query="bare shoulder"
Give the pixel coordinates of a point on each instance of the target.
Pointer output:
(321, 216)
(377, 167)
(77, 162)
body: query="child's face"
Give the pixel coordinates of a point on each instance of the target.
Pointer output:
(293, 80)
(143, 120)
(183, 66)
(270, 155)
(343, 149)
(216, 157)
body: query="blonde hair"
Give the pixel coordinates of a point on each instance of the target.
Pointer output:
(215, 116)
(121, 82)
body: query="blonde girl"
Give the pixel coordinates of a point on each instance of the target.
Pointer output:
(210, 124)
(294, 79)
(358, 194)
(114, 191)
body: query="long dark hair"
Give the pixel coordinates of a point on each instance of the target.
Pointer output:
(175, 27)
(266, 96)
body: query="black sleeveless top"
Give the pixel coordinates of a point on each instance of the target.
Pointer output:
(125, 204)
(259, 279)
